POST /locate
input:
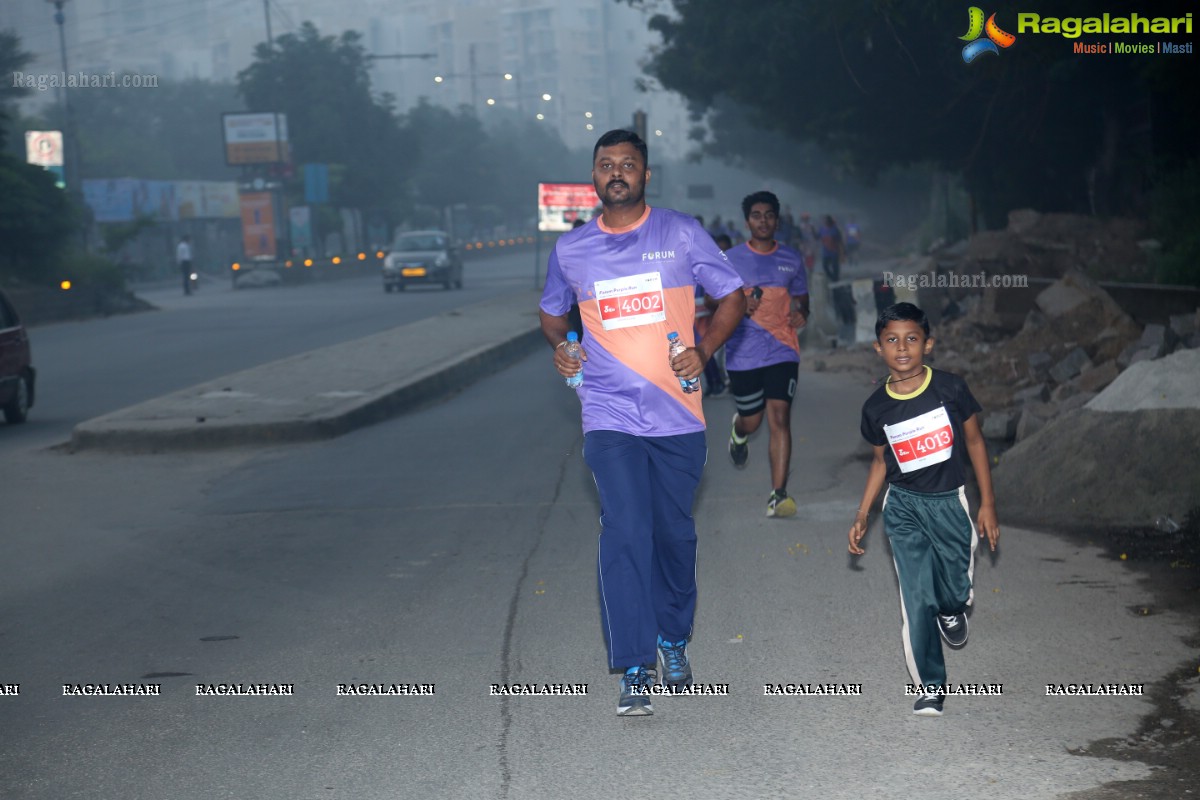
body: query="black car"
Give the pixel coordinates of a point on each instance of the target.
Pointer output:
(418, 257)
(17, 375)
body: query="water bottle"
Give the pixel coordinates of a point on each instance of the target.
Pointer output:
(675, 346)
(573, 351)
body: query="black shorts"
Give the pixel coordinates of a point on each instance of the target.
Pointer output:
(752, 388)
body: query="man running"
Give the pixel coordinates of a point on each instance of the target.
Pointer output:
(632, 270)
(763, 354)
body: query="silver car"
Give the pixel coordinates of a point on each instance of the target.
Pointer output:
(418, 257)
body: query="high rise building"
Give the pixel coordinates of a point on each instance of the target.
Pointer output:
(573, 63)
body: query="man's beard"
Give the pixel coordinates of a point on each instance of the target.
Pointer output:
(630, 200)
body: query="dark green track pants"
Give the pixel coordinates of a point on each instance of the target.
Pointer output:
(933, 545)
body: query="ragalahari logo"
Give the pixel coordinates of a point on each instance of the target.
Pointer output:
(996, 38)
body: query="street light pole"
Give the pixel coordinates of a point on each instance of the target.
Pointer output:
(70, 175)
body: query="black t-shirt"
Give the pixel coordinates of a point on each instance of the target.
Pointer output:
(921, 433)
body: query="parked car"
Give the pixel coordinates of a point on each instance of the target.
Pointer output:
(17, 375)
(418, 257)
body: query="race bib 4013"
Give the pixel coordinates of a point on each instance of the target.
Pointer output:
(921, 441)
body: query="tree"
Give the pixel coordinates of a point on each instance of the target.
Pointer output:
(322, 84)
(168, 132)
(36, 217)
(882, 83)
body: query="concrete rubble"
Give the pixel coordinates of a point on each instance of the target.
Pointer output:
(1072, 384)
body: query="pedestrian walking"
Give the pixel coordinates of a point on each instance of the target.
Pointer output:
(920, 422)
(183, 257)
(632, 271)
(763, 354)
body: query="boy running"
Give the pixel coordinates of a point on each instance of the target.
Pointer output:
(763, 354)
(914, 421)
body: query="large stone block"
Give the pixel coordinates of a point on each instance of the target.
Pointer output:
(1034, 394)
(1071, 365)
(1096, 378)
(1039, 366)
(1000, 426)
(1059, 298)
(1158, 339)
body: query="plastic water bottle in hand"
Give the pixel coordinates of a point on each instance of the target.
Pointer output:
(573, 351)
(675, 347)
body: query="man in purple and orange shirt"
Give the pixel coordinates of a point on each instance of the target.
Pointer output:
(763, 356)
(633, 270)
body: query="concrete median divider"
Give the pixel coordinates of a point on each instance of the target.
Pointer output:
(328, 392)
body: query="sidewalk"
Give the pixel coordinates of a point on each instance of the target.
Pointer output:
(328, 392)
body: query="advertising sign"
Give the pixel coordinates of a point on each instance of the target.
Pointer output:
(560, 204)
(258, 225)
(301, 219)
(255, 138)
(44, 148)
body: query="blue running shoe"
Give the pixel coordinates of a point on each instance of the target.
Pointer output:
(676, 669)
(635, 692)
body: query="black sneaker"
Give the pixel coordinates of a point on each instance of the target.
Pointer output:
(953, 628)
(635, 692)
(739, 451)
(676, 669)
(929, 704)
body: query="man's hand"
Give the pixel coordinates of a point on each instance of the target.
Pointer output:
(753, 300)
(689, 364)
(798, 318)
(567, 366)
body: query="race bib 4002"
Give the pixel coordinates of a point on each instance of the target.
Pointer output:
(635, 300)
(921, 441)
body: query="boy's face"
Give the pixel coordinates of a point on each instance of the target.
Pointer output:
(903, 346)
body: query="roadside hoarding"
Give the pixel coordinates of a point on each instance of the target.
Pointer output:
(560, 204)
(255, 138)
(45, 149)
(258, 225)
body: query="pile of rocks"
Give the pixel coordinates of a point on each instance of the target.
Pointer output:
(1049, 245)
(1076, 343)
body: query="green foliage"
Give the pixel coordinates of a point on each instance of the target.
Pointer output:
(12, 59)
(322, 84)
(118, 234)
(88, 269)
(1175, 209)
(881, 83)
(37, 219)
(171, 132)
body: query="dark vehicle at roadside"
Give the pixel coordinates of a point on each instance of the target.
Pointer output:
(422, 257)
(17, 375)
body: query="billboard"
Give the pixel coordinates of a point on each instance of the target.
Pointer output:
(255, 138)
(560, 204)
(207, 199)
(44, 148)
(258, 225)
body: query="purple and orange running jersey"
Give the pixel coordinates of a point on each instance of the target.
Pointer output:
(635, 285)
(766, 338)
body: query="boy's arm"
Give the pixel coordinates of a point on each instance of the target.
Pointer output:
(977, 450)
(876, 476)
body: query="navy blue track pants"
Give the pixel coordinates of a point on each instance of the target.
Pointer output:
(647, 555)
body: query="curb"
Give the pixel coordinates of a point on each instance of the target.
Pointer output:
(172, 423)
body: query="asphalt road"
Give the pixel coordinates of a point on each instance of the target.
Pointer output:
(92, 367)
(455, 546)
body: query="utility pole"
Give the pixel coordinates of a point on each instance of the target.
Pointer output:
(474, 93)
(267, 13)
